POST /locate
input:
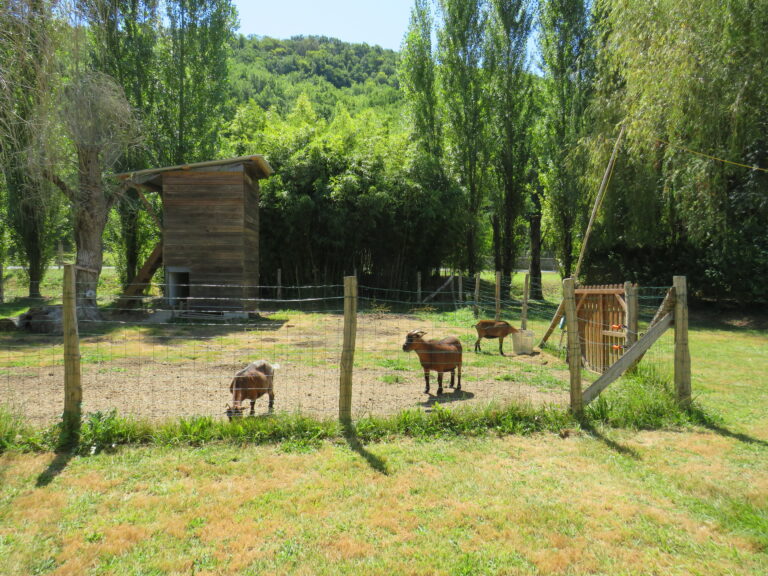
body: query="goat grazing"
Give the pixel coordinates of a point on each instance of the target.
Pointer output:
(493, 329)
(437, 355)
(251, 383)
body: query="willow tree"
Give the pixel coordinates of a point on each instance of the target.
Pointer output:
(712, 100)
(123, 37)
(567, 62)
(462, 78)
(99, 125)
(33, 207)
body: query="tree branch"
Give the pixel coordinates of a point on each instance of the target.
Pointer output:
(61, 185)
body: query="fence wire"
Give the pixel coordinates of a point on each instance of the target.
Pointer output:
(173, 354)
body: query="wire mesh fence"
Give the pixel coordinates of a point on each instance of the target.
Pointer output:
(171, 354)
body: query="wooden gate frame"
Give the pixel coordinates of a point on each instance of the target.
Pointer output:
(672, 312)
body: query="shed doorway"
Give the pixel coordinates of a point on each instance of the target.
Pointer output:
(178, 288)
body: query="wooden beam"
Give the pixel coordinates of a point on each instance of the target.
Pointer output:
(626, 361)
(142, 279)
(555, 320)
(436, 292)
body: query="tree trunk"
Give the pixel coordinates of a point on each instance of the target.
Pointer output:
(91, 213)
(507, 258)
(497, 259)
(129, 223)
(534, 269)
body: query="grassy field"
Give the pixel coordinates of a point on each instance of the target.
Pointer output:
(569, 499)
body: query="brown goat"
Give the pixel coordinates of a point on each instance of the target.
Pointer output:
(493, 329)
(251, 383)
(438, 355)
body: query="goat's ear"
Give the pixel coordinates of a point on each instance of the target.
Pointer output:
(421, 333)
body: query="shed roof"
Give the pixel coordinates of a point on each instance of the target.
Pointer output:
(256, 166)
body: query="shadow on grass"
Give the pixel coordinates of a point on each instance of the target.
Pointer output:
(55, 468)
(612, 444)
(443, 399)
(350, 435)
(721, 431)
(69, 437)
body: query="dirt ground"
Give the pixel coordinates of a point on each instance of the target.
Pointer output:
(159, 386)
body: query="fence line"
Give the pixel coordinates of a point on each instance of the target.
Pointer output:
(156, 362)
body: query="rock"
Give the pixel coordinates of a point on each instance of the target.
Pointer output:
(44, 320)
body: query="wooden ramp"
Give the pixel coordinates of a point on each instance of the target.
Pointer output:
(141, 281)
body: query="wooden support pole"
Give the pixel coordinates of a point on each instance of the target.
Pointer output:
(418, 287)
(498, 295)
(553, 324)
(524, 312)
(348, 350)
(574, 346)
(631, 322)
(73, 392)
(682, 353)
(477, 295)
(461, 290)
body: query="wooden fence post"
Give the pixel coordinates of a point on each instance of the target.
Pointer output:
(631, 322)
(418, 287)
(279, 283)
(477, 295)
(524, 311)
(461, 290)
(348, 350)
(73, 392)
(498, 295)
(682, 353)
(574, 346)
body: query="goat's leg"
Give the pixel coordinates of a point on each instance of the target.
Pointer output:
(453, 373)
(426, 379)
(501, 345)
(458, 387)
(439, 383)
(252, 410)
(271, 399)
(477, 345)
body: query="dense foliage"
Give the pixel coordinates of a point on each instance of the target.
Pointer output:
(471, 146)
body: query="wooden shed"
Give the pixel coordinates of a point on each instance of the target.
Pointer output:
(210, 232)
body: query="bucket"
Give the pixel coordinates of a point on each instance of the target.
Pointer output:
(522, 342)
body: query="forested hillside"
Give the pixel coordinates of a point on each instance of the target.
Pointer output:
(273, 73)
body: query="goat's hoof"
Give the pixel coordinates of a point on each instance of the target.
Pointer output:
(439, 391)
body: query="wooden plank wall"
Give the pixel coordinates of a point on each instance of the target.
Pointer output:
(203, 218)
(251, 238)
(601, 311)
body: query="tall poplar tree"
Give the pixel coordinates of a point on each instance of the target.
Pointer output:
(511, 109)
(193, 74)
(460, 53)
(568, 62)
